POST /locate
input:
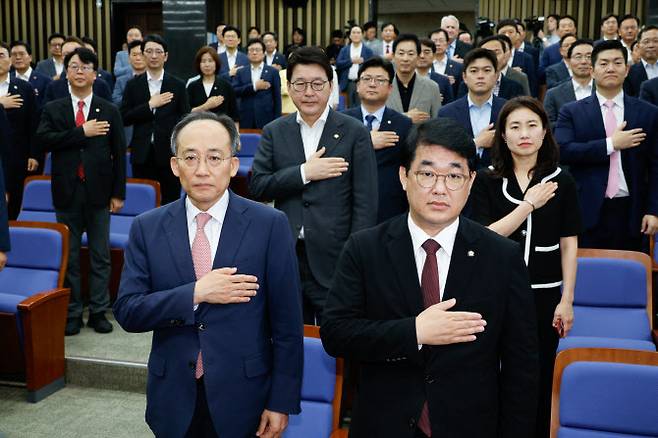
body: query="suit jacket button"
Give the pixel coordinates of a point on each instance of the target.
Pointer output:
(429, 379)
(307, 204)
(201, 326)
(173, 322)
(412, 423)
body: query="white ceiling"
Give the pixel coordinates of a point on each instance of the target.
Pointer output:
(415, 6)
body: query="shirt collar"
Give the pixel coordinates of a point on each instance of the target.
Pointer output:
(645, 63)
(472, 104)
(6, 81)
(259, 66)
(379, 114)
(577, 86)
(217, 211)
(151, 78)
(323, 118)
(446, 237)
(618, 99)
(86, 100)
(27, 74)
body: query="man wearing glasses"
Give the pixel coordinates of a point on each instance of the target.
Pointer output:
(153, 103)
(53, 66)
(214, 276)
(388, 131)
(85, 136)
(319, 167)
(437, 309)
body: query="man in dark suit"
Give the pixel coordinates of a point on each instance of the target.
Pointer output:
(629, 26)
(405, 303)
(18, 99)
(647, 68)
(59, 88)
(579, 87)
(259, 87)
(610, 142)
(232, 59)
(319, 167)
(273, 57)
(456, 49)
(221, 294)
(649, 91)
(477, 111)
(504, 87)
(559, 72)
(609, 28)
(388, 131)
(524, 46)
(53, 66)
(551, 54)
(153, 103)
(21, 60)
(518, 60)
(441, 63)
(85, 136)
(424, 69)
(105, 75)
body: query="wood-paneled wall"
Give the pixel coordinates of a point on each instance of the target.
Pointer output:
(588, 13)
(34, 20)
(318, 18)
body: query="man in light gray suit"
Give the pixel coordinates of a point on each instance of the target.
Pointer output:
(581, 84)
(416, 97)
(319, 167)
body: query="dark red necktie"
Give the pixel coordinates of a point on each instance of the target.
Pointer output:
(431, 295)
(79, 121)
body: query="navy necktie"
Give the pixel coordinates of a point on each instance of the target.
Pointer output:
(369, 119)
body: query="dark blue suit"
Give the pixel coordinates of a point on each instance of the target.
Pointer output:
(551, 55)
(556, 74)
(508, 89)
(258, 108)
(444, 86)
(240, 59)
(649, 91)
(458, 110)
(252, 352)
(527, 64)
(636, 76)
(60, 88)
(344, 62)
(453, 69)
(278, 59)
(39, 82)
(392, 199)
(580, 132)
(532, 51)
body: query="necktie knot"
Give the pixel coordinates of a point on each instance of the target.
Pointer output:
(431, 246)
(81, 104)
(201, 220)
(609, 104)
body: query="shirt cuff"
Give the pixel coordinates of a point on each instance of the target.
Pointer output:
(608, 145)
(255, 87)
(301, 171)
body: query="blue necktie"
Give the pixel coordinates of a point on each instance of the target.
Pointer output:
(369, 119)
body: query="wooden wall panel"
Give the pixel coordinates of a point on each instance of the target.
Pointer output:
(34, 20)
(588, 13)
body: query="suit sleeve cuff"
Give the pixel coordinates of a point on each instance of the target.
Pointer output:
(608, 146)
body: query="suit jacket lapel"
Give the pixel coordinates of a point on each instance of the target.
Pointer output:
(465, 113)
(95, 109)
(396, 102)
(233, 228)
(462, 262)
(416, 93)
(401, 255)
(332, 133)
(294, 138)
(595, 116)
(175, 228)
(69, 116)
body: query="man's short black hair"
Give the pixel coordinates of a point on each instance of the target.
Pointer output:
(253, 41)
(567, 17)
(444, 132)
(609, 45)
(133, 44)
(269, 32)
(232, 28)
(91, 42)
(407, 37)
(153, 38)
(646, 29)
(86, 57)
(337, 33)
(396, 31)
(25, 44)
(309, 55)
(428, 43)
(565, 36)
(369, 25)
(507, 22)
(56, 35)
(5, 46)
(443, 31)
(629, 17)
(480, 53)
(377, 61)
(503, 44)
(222, 119)
(256, 28)
(607, 17)
(520, 24)
(556, 16)
(580, 42)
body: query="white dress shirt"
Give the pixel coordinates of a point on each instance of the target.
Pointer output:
(355, 52)
(231, 58)
(618, 110)
(25, 76)
(59, 68)
(85, 108)
(445, 238)
(581, 91)
(311, 137)
(379, 116)
(511, 60)
(207, 88)
(255, 74)
(651, 69)
(4, 86)
(154, 83)
(440, 65)
(269, 58)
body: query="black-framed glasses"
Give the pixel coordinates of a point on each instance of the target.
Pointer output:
(82, 68)
(316, 85)
(372, 79)
(191, 160)
(453, 181)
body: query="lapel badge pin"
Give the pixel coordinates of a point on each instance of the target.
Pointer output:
(388, 121)
(98, 110)
(471, 253)
(336, 136)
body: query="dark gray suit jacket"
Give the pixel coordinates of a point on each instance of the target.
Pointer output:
(330, 210)
(557, 97)
(555, 74)
(46, 67)
(649, 91)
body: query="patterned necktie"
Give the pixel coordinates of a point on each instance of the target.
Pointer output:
(202, 265)
(388, 49)
(430, 287)
(79, 121)
(610, 122)
(369, 119)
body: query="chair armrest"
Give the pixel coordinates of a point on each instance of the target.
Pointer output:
(654, 336)
(40, 299)
(340, 433)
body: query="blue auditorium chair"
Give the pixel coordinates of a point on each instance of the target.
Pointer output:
(33, 307)
(322, 387)
(47, 166)
(612, 301)
(37, 200)
(248, 147)
(605, 393)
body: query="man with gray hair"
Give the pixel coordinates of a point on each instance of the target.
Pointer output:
(215, 277)
(456, 49)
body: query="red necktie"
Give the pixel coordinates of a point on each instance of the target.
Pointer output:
(202, 265)
(431, 295)
(79, 121)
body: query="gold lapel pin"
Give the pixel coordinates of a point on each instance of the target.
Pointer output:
(471, 253)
